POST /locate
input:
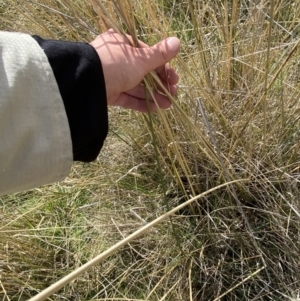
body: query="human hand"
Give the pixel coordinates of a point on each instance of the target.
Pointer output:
(125, 66)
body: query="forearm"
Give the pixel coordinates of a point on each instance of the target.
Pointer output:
(52, 109)
(36, 145)
(78, 72)
(54, 95)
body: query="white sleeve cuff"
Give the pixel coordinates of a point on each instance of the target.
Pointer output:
(35, 140)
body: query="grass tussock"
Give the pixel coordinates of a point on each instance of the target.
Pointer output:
(236, 116)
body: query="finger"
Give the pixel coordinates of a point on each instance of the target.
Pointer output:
(140, 105)
(167, 74)
(163, 87)
(160, 54)
(172, 89)
(139, 92)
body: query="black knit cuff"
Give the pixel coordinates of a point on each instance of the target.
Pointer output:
(79, 75)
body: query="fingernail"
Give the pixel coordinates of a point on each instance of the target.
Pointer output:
(173, 44)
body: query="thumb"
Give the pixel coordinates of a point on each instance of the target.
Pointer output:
(159, 54)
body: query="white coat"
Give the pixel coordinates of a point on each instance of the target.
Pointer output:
(35, 140)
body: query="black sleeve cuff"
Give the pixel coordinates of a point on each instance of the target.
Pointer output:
(79, 75)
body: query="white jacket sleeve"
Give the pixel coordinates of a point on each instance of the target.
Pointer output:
(35, 140)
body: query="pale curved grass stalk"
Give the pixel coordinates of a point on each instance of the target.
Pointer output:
(73, 275)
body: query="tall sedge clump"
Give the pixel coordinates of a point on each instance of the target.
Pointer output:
(234, 114)
(235, 117)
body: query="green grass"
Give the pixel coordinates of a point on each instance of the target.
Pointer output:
(236, 116)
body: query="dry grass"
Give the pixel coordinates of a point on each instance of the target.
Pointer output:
(236, 116)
